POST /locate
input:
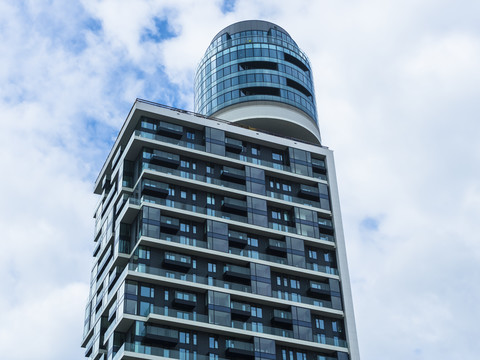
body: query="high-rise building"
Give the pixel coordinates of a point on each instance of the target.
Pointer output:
(218, 233)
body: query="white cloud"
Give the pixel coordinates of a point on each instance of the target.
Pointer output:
(397, 92)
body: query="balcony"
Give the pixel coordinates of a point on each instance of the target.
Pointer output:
(170, 275)
(236, 273)
(239, 349)
(277, 246)
(185, 300)
(317, 288)
(318, 164)
(232, 174)
(177, 261)
(233, 145)
(308, 192)
(325, 224)
(155, 189)
(165, 158)
(238, 238)
(170, 130)
(282, 318)
(156, 334)
(234, 205)
(239, 309)
(169, 225)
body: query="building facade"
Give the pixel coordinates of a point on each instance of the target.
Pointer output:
(216, 235)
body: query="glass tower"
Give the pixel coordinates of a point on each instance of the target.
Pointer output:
(254, 73)
(214, 240)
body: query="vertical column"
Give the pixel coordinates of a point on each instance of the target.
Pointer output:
(264, 348)
(261, 279)
(257, 211)
(335, 294)
(215, 141)
(300, 162)
(324, 196)
(255, 180)
(306, 222)
(217, 235)
(295, 252)
(219, 308)
(302, 323)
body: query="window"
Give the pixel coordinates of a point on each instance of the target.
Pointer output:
(184, 337)
(183, 194)
(190, 135)
(320, 324)
(277, 157)
(326, 257)
(145, 308)
(312, 254)
(294, 284)
(334, 326)
(255, 150)
(143, 253)
(184, 227)
(212, 343)
(253, 242)
(256, 311)
(146, 291)
(212, 267)
(210, 199)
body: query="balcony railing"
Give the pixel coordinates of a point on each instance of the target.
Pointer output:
(193, 278)
(193, 176)
(294, 199)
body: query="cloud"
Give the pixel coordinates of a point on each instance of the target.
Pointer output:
(397, 95)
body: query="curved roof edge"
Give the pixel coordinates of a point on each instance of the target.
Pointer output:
(246, 25)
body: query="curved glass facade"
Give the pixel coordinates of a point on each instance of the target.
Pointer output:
(243, 65)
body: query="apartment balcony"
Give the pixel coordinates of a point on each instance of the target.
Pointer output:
(318, 164)
(233, 205)
(165, 158)
(318, 288)
(185, 300)
(238, 238)
(169, 225)
(170, 275)
(236, 273)
(157, 189)
(325, 224)
(277, 246)
(171, 130)
(177, 261)
(239, 309)
(233, 145)
(236, 349)
(157, 334)
(233, 174)
(308, 192)
(282, 318)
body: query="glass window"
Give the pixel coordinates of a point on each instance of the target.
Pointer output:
(212, 267)
(212, 343)
(130, 287)
(276, 156)
(146, 291)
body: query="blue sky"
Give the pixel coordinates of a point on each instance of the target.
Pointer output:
(397, 87)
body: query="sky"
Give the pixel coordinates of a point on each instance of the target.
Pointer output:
(397, 87)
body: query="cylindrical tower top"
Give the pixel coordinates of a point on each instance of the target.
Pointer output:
(254, 73)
